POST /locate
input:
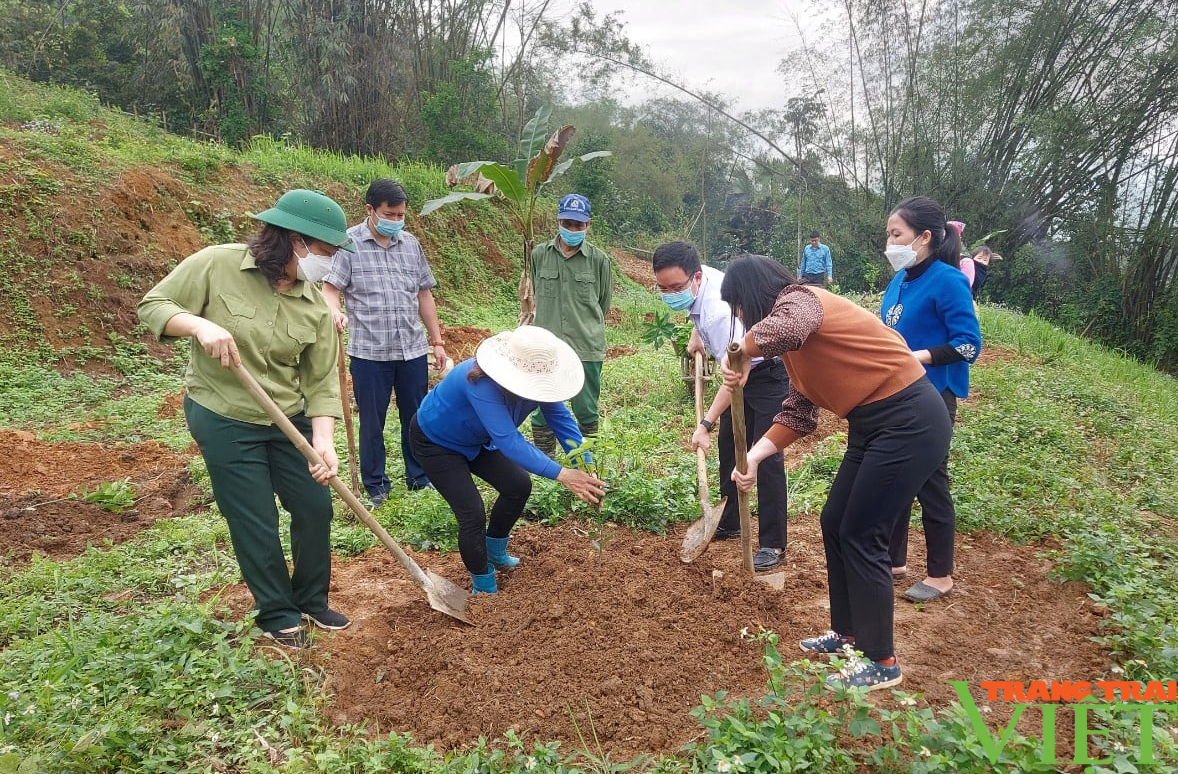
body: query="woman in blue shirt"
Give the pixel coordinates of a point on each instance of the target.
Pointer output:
(469, 426)
(929, 303)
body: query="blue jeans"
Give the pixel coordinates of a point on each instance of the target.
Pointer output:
(374, 382)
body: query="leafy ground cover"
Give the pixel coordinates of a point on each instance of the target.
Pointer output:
(125, 642)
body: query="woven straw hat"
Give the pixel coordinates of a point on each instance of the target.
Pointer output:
(533, 363)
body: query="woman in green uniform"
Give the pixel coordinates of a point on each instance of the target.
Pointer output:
(256, 305)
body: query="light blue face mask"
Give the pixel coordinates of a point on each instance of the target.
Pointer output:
(389, 228)
(572, 238)
(680, 300)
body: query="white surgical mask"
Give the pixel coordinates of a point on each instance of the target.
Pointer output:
(313, 267)
(900, 256)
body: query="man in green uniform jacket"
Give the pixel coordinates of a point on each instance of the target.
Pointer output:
(573, 281)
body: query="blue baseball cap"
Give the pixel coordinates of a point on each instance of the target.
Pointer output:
(573, 207)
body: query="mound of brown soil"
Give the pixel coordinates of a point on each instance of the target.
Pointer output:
(625, 639)
(40, 485)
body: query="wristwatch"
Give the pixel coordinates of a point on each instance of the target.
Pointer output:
(709, 426)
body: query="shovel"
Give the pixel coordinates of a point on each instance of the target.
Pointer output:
(353, 458)
(740, 440)
(443, 596)
(703, 529)
(776, 580)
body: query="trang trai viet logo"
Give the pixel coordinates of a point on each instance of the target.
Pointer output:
(1087, 701)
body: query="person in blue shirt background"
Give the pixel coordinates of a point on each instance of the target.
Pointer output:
(816, 266)
(468, 425)
(929, 303)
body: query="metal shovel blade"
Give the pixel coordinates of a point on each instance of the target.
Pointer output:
(447, 597)
(701, 532)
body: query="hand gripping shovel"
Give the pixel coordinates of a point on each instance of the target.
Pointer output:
(703, 529)
(443, 596)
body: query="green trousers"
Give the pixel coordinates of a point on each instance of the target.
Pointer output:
(584, 403)
(248, 464)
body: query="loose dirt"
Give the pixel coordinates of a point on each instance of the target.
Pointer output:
(620, 642)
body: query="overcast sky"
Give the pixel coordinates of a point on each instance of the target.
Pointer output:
(732, 48)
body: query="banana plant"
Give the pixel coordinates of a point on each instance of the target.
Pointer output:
(519, 185)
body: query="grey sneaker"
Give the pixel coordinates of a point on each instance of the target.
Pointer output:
(295, 639)
(329, 619)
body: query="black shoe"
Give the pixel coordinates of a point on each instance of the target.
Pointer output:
(417, 486)
(726, 534)
(295, 639)
(767, 558)
(328, 619)
(377, 499)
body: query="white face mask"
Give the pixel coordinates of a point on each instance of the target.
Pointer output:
(313, 267)
(900, 256)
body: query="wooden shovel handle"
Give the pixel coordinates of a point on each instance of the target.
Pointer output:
(740, 441)
(353, 458)
(701, 456)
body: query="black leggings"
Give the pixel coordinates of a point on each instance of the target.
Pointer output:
(453, 476)
(893, 446)
(936, 513)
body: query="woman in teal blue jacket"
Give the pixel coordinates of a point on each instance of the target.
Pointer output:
(469, 426)
(929, 303)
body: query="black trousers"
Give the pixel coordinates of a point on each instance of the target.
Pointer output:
(893, 446)
(936, 514)
(766, 388)
(453, 476)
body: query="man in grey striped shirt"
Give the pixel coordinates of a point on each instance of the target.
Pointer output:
(385, 287)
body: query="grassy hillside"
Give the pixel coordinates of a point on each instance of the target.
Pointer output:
(120, 658)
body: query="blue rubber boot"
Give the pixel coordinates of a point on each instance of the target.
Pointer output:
(484, 584)
(497, 553)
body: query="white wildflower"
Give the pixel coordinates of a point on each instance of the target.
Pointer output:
(30, 710)
(925, 752)
(1116, 669)
(908, 701)
(723, 766)
(744, 633)
(7, 718)
(530, 763)
(13, 695)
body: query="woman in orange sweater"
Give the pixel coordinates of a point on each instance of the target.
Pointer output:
(841, 358)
